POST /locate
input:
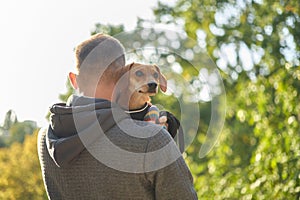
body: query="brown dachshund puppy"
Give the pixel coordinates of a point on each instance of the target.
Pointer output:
(137, 83)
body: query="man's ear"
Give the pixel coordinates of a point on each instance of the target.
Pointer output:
(162, 80)
(73, 80)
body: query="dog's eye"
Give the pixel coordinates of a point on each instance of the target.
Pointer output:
(155, 75)
(139, 73)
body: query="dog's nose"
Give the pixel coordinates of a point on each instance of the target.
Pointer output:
(152, 85)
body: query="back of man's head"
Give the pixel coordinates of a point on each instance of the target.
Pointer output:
(97, 59)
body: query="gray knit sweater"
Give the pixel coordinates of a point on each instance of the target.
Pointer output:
(124, 159)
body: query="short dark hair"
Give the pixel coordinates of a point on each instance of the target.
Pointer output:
(99, 54)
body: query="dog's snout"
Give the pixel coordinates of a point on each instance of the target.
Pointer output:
(152, 85)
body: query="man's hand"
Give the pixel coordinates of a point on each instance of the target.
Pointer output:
(168, 120)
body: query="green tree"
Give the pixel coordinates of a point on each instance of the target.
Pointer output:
(256, 47)
(14, 131)
(9, 120)
(19, 130)
(21, 176)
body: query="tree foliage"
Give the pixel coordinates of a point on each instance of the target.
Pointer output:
(13, 130)
(256, 47)
(20, 171)
(254, 37)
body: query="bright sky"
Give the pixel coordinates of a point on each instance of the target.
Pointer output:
(37, 41)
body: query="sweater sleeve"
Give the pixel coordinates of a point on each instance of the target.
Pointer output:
(174, 182)
(168, 173)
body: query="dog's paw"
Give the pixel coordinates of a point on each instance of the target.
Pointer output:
(152, 115)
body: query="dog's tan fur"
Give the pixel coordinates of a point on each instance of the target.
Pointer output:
(134, 86)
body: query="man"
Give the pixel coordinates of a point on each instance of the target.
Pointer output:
(93, 150)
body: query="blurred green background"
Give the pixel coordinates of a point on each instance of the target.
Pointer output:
(256, 48)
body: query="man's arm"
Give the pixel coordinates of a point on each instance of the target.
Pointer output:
(174, 182)
(166, 169)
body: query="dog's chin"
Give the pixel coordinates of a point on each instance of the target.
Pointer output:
(139, 98)
(148, 93)
(152, 94)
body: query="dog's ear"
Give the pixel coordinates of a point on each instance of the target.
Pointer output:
(128, 67)
(123, 70)
(162, 80)
(120, 93)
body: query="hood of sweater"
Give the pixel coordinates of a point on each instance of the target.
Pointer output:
(80, 113)
(77, 124)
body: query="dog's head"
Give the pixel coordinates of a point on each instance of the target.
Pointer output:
(138, 83)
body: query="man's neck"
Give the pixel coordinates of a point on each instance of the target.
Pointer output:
(104, 92)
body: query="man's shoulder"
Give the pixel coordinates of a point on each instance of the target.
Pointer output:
(41, 135)
(146, 135)
(43, 130)
(142, 129)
